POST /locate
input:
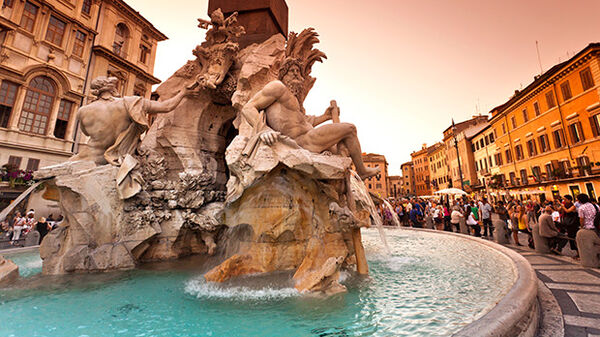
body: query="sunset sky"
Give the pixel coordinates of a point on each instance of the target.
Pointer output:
(401, 70)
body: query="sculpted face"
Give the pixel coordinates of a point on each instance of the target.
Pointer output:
(294, 81)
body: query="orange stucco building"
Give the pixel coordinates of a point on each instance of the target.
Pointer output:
(547, 135)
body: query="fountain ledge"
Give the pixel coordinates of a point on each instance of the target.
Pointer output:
(518, 312)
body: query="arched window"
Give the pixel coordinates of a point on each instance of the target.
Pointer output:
(37, 106)
(121, 39)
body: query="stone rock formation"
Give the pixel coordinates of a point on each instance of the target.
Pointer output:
(203, 180)
(9, 272)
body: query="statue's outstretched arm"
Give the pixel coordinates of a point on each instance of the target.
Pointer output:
(168, 105)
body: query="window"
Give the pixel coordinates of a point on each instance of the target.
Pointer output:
(583, 164)
(525, 116)
(492, 137)
(37, 106)
(565, 88)
(519, 152)
(508, 156)
(14, 161)
(549, 171)
(121, 39)
(550, 99)
(503, 128)
(8, 3)
(499, 159)
(33, 164)
(144, 52)
(56, 31)
(544, 143)
(8, 92)
(595, 124)
(537, 173)
(87, 7)
(513, 178)
(531, 148)
(513, 121)
(62, 120)
(576, 133)
(536, 108)
(79, 43)
(29, 14)
(524, 179)
(559, 138)
(490, 161)
(566, 167)
(587, 81)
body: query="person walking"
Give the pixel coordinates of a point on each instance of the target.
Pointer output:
(523, 225)
(485, 212)
(514, 221)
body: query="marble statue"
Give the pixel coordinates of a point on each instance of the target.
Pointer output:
(230, 165)
(281, 100)
(114, 126)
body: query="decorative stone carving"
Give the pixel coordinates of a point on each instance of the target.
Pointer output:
(208, 168)
(9, 272)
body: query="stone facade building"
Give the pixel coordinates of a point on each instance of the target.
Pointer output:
(394, 184)
(457, 138)
(438, 167)
(378, 183)
(484, 150)
(49, 52)
(408, 179)
(420, 160)
(548, 133)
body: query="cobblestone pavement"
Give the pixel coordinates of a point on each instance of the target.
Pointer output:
(576, 289)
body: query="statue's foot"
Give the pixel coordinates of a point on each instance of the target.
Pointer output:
(369, 172)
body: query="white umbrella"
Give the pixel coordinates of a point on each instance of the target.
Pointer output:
(451, 191)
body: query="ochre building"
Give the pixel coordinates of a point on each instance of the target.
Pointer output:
(547, 134)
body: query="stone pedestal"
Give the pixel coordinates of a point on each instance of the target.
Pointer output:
(260, 18)
(501, 232)
(540, 242)
(588, 244)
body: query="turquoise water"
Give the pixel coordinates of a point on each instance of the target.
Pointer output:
(432, 285)
(29, 262)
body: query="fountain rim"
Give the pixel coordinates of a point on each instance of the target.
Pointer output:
(517, 313)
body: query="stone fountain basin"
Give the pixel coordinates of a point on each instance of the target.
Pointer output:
(517, 313)
(434, 284)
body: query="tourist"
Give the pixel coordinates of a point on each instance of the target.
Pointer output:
(485, 211)
(30, 221)
(586, 212)
(447, 224)
(570, 222)
(523, 225)
(514, 223)
(475, 212)
(42, 227)
(547, 228)
(437, 215)
(415, 217)
(455, 217)
(473, 224)
(18, 224)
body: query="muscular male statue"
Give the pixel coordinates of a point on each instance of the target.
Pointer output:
(115, 124)
(280, 99)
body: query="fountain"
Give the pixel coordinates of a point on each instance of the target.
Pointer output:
(227, 204)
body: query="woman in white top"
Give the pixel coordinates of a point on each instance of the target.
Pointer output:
(471, 222)
(18, 224)
(455, 219)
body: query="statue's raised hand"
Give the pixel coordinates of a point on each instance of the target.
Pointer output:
(270, 137)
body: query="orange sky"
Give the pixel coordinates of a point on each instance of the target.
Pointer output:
(400, 70)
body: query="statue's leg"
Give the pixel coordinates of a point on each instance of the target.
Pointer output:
(324, 137)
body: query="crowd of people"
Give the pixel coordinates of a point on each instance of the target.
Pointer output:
(17, 226)
(558, 220)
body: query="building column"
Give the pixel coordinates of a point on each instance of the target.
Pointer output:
(52, 119)
(13, 122)
(70, 133)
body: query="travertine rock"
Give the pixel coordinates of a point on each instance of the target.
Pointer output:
(588, 244)
(9, 272)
